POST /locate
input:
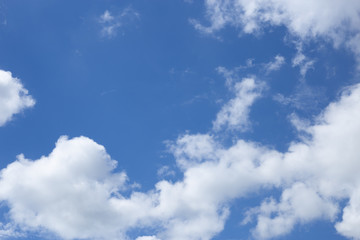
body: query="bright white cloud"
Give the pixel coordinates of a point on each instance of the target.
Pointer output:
(147, 238)
(14, 98)
(110, 23)
(68, 192)
(314, 175)
(74, 192)
(303, 18)
(298, 204)
(349, 226)
(330, 19)
(234, 115)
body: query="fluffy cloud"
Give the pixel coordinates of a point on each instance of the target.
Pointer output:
(314, 175)
(303, 18)
(298, 204)
(329, 19)
(68, 192)
(74, 192)
(14, 97)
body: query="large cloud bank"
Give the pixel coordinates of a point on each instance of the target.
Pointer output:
(74, 193)
(13, 97)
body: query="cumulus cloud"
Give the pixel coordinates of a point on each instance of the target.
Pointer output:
(307, 19)
(298, 204)
(110, 23)
(314, 175)
(75, 193)
(303, 18)
(14, 98)
(68, 192)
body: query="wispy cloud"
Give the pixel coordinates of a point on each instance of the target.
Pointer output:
(111, 23)
(275, 65)
(302, 61)
(304, 97)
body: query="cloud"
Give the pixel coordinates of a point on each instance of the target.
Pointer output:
(9, 230)
(165, 171)
(304, 97)
(301, 61)
(14, 98)
(234, 115)
(106, 17)
(315, 175)
(110, 24)
(147, 238)
(336, 20)
(68, 192)
(298, 204)
(74, 191)
(275, 65)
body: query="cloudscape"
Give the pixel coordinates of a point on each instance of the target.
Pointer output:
(180, 120)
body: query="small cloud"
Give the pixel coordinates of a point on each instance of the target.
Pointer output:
(275, 65)
(110, 23)
(302, 61)
(14, 98)
(165, 171)
(304, 97)
(106, 17)
(234, 115)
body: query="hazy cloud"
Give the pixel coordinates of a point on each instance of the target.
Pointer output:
(111, 23)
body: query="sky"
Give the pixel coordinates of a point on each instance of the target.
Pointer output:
(180, 120)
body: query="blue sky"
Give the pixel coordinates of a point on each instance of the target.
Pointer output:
(180, 120)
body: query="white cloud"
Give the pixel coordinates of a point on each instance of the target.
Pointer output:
(304, 18)
(106, 17)
(147, 238)
(315, 175)
(110, 24)
(304, 97)
(301, 61)
(68, 192)
(298, 204)
(349, 226)
(9, 230)
(234, 115)
(74, 192)
(14, 98)
(330, 19)
(275, 65)
(165, 171)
